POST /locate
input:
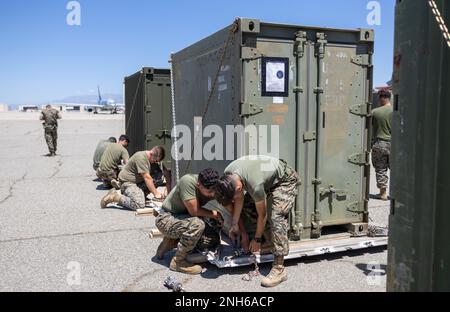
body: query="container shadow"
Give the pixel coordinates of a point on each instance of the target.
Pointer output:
(377, 197)
(372, 268)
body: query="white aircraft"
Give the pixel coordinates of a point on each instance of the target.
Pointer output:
(105, 105)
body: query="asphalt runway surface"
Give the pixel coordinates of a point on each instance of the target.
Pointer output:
(55, 237)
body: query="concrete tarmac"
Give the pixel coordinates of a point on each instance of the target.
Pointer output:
(55, 237)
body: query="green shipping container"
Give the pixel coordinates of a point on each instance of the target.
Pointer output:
(315, 84)
(419, 248)
(148, 118)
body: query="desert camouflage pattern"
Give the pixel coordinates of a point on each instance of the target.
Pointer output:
(381, 150)
(50, 118)
(187, 229)
(133, 196)
(107, 176)
(282, 197)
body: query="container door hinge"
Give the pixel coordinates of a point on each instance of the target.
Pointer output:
(250, 54)
(316, 225)
(298, 89)
(361, 110)
(356, 207)
(359, 159)
(362, 60)
(318, 90)
(300, 41)
(148, 109)
(148, 137)
(309, 136)
(316, 181)
(249, 109)
(321, 42)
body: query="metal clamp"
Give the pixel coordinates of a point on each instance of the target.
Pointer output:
(250, 109)
(361, 110)
(359, 159)
(362, 60)
(331, 190)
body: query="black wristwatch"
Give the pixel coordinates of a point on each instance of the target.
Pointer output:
(258, 240)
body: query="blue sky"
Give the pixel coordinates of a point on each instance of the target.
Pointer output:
(43, 59)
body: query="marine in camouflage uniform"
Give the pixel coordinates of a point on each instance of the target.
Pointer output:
(115, 155)
(50, 117)
(283, 197)
(265, 179)
(381, 148)
(134, 194)
(381, 151)
(99, 150)
(136, 180)
(182, 220)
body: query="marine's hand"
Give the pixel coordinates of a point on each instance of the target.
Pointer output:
(245, 243)
(234, 232)
(218, 217)
(159, 196)
(255, 247)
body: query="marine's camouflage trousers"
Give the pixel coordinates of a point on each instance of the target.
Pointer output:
(51, 137)
(191, 232)
(283, 197)
(133, 196)
(381, 151)
(107, 176)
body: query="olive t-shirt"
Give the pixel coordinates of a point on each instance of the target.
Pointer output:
(101, 147)
(258, 174)
(137, 165)
(381, 121)
(112, 157)
(186, 189)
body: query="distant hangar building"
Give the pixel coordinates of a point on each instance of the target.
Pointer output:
(3, 108)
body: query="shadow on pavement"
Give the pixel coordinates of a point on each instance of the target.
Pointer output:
(372, 268)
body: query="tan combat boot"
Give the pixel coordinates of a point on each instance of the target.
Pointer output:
(180, 264)
(277, 275)
(111, 197)
(115, 184)
(166, 245)
(383, 194)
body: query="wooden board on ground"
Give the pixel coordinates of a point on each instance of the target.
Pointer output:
(155, 233)
(147, 212)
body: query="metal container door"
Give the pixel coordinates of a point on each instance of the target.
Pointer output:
(157, 115)
(342, 90)
(268, 99)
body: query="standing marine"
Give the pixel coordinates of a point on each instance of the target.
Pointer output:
(381, 148)
(50, 117)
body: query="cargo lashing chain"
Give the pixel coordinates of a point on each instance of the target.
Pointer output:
(252, 274)
(440, 21)
(233, 29)
(174, 121)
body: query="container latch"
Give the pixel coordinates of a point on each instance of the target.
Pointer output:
(361, 109)
(359, 159)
